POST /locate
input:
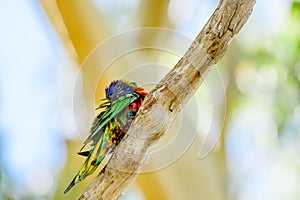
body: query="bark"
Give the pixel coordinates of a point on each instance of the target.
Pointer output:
(167, 98)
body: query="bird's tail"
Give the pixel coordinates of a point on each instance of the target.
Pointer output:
(70, 185)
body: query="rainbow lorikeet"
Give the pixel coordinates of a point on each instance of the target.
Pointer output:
(123, 99)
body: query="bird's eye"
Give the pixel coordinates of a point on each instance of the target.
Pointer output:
(132, 113)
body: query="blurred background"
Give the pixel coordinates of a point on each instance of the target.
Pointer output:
(248, 109)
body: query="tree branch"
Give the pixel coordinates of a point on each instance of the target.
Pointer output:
(168, 98)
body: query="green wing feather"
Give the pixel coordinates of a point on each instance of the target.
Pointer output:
(104, 117)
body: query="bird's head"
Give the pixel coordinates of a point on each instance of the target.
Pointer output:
(118, 88)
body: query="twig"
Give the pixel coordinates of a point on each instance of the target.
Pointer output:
(168, 98)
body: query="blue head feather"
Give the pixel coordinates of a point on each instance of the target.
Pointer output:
(119, 87)
(110, 89)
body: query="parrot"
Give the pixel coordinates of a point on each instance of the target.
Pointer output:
(122, 102)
